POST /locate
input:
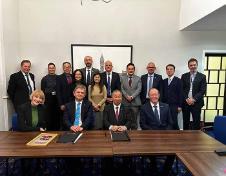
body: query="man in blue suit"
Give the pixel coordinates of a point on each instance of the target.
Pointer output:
(172, 93)
(155, 115)
(150, 80)
(78, 114)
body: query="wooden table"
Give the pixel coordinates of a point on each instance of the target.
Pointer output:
(91, 144)
(165, 142)
(204, 164)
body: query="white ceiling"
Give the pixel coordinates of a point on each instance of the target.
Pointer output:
(215, 21)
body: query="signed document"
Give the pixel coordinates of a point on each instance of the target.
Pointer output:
(42, 139)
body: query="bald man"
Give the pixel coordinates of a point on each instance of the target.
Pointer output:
(111, 80)
(88, 71)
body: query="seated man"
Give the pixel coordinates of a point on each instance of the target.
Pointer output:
(116, 117)
(78, 114)
(155, 115)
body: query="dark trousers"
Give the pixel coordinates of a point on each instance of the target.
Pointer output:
(196, 115)
(174, 114)
(53, 113)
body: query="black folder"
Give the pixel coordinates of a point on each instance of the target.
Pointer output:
(221, 152)
(69, 137)
(120, 136)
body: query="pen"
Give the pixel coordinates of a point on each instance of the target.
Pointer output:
(77, 138)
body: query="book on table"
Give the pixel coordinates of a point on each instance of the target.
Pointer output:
(42, 139)
(119, 136)
(69, 137)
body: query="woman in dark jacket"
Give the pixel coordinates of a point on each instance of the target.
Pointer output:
(31, 115)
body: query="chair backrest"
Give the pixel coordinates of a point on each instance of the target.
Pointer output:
(14, 122)
(219, 128)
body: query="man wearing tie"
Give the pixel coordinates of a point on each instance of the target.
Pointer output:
(116, 117)
(111, 80)
(88, 71)
(21, 85)
(194, 88)
(150, 80)
(131, 87)
(172, 93)
(78, 114)
(155, 115)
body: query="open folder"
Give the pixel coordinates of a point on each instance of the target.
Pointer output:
(119, 136)
(69, 137)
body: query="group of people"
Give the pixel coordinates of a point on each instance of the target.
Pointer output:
(88, 99)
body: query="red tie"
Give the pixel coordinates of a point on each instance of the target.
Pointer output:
(117, 113)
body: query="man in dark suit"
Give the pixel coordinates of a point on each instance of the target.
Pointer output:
(88, 71)
(111, 80)
(172, 93)
(155, 115)
(116, 116)
(194, 88)
(21, 85)
(150, 80)
(78, 114)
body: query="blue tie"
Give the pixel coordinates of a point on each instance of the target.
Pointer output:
(77, 114)
(156, 113)
(150, 82)
(109, 85)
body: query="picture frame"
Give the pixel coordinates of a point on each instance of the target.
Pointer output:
(119, 55)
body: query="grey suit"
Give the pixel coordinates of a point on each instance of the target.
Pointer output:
(133, 91)
(93, 71)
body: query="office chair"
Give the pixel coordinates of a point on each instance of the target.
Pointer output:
(218, 131)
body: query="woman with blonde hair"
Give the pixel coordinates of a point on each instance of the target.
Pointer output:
(32, 115)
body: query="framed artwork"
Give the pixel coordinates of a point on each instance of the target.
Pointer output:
(119, 55)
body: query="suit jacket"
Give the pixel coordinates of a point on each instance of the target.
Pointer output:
(63, 90)
(133, 91)
(157, 81)
(148, 120)
(25, 117)
(115, 81)
(18, 90)
(94, 70)
(172, 94)
(198, 89)
(125, 116)
(87, 115)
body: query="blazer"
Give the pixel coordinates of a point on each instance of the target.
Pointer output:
(198, 89)
(63, 90)
(157, 81)
(83, 70)
(125, 116)
(172, 94)
(18, 90)
(87, 115)
(25, 117)
(148, 120)
(133, 91)
(115, 81)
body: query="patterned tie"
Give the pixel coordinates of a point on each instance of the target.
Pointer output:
(69, 79)
(150, 82)
(117, 113)
(88, 78)
(28, 83)
(109, 85)
(130, 81)
(156, 113)
(77, 114)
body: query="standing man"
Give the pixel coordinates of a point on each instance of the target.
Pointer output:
(172, 93)
(21, 85)
(78, 114)
(88, 71)
(48, 86)
(150, 80)
(63, 88)
(194, 88)
(155, 115)
(111, 80)
(131, 88)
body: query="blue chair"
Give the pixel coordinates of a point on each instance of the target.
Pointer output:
(14, 122)
(218, 131)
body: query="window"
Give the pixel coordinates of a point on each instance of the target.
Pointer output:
(215, 71)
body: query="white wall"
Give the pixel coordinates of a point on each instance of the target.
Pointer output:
(47, 28)
(193, 10)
